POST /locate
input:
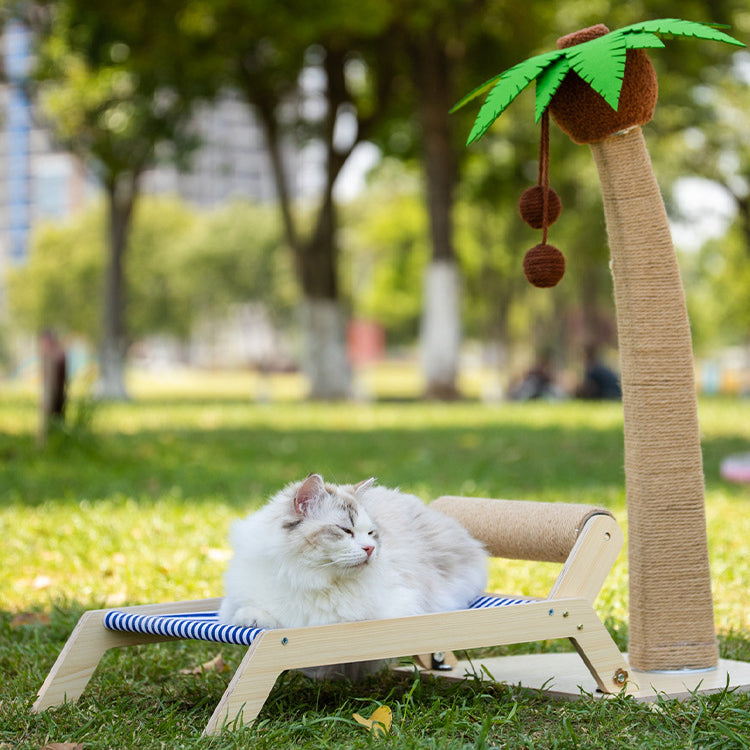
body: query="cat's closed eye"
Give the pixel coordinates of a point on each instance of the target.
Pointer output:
(350, 532)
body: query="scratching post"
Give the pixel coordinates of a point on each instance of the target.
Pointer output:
(671, 607)
(600, 87)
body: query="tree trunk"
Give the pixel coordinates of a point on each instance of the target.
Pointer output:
(440, 335)
(325, 358)
(441, 319)
(121, 194)
(671, 608)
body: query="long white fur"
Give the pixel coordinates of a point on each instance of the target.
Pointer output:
(292, 569)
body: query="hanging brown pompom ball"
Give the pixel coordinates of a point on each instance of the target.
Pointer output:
(531, 206)
(544, 265)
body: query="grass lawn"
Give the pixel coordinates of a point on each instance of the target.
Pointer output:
(133, 505)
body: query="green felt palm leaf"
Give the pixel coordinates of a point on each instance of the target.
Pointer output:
(478, 91)
(508, 87)
(642, 40)
(601, 63)
(678, 27)
(547, 83)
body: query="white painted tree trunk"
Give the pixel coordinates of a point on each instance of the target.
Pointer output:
(440, 335)
(325, 360)
(110, 385)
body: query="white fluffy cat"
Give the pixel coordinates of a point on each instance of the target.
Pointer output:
(319, 553)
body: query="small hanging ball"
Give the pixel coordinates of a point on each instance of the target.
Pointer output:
(531, 206)
(544, 266)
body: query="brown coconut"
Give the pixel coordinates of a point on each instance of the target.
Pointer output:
(544, 266)
(584, 115)
(531, 206)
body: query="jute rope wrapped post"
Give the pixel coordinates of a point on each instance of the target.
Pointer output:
(671, 607)
(600, 92)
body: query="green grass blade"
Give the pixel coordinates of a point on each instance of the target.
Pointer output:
(508, 87)
(548, 82)
(678, 27)
(601, 63)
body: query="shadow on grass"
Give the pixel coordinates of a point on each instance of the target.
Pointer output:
(242, 466)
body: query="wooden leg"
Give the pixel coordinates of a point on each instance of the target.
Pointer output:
(76, 662)
(601, 656)
(87, 643)
(247, 692)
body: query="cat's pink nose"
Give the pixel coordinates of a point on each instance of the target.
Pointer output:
(369, 550)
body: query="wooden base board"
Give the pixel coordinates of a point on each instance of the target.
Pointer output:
(565, 676)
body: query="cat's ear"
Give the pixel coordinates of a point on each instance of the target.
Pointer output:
(309, 491)
(365, 484)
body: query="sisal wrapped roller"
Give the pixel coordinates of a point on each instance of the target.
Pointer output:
(520, 529)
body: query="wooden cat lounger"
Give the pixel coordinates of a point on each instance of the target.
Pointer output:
(585, 539)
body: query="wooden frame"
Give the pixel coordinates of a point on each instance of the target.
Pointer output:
(566, 613)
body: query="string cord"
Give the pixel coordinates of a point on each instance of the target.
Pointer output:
(543, 176)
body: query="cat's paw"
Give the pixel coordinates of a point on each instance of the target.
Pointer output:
(252, 617)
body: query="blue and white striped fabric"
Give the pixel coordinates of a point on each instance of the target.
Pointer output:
(205, 626)
(201, 626)
(488, 600)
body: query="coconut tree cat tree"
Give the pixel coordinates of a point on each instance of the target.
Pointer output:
(600, 87)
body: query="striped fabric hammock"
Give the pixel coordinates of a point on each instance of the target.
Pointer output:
(205, 626)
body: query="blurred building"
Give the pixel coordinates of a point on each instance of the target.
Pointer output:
(39, 181)
(36, 180)
(231, 161)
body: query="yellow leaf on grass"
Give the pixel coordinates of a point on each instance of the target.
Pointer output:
(379, 722)
(214, 665)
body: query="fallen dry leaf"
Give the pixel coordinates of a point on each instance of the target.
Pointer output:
(30, 618)
(41, 582)
(379, 722)
(214, 665)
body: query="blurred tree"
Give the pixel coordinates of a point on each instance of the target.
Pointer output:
(301, 66)
(117, 82)
(233, 256)
(183, 266)
(387, 250)
(717, 280)
(67, 297)
(444, 46)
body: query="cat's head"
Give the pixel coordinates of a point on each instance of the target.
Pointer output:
(329, 527)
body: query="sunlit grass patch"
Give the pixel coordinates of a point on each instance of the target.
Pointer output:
(134, 506)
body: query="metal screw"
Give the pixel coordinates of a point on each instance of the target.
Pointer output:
(284, 641)
(621, 677)
(580, 626)
(551, 612)
(566, 613)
